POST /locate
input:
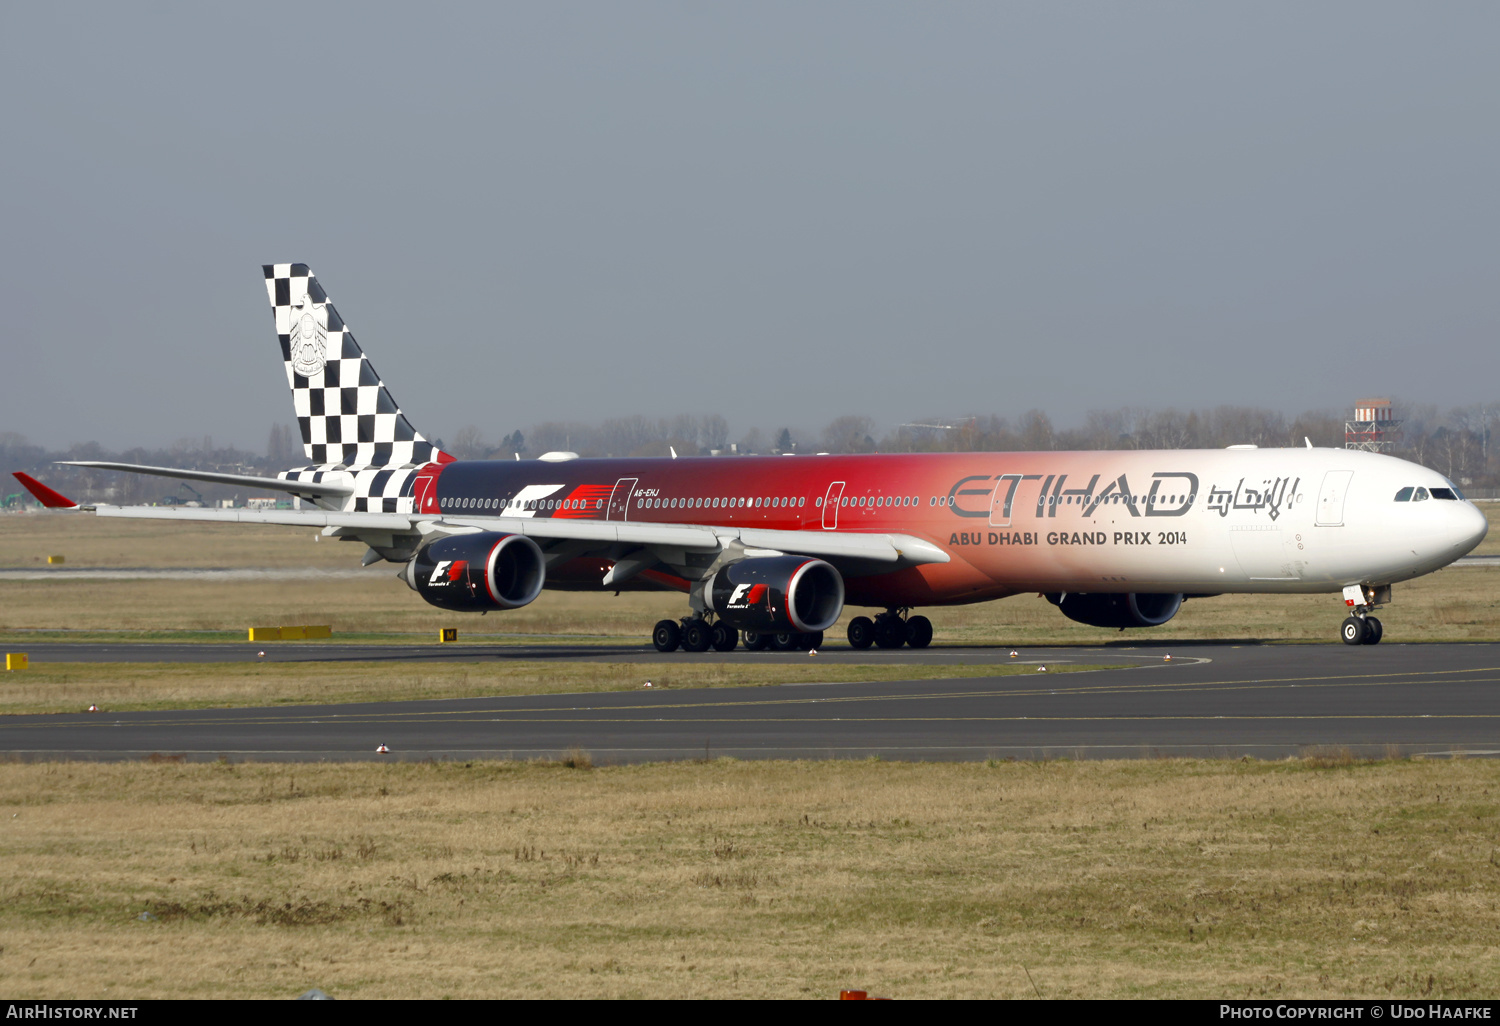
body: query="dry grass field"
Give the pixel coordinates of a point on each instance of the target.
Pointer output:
(26, 540)
(1308, 878)
(1461, 604)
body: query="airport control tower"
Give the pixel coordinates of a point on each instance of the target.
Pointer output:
(1372, 429)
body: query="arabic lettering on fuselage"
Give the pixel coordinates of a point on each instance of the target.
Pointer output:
(1274, 495)
(1170, 494)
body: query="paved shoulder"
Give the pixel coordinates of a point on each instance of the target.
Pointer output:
(1267, 701)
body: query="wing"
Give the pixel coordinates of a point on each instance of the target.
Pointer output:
(688, 550)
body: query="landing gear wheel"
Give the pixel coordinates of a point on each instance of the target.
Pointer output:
(786, 641)
(1353, 631)
(666, 635)
(811, 640)
(1373, 631)
(697, 636)
(918, 631)
(890, 632)
(861, 632)
(725, 638)
(755, 641)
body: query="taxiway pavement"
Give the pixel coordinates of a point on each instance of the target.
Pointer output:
(1220, 700)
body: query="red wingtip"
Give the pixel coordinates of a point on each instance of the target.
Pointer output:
(46, 496)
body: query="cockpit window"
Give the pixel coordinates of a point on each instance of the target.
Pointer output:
(1419, 495)
(1404, 495)
(1443, 493)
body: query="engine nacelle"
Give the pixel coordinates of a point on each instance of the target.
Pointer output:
(1130, 610)
(472, 572)
(777, 593)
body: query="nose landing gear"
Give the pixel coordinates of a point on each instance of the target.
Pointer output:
(1361, 628)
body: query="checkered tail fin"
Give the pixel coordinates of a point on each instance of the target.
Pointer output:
(346, 413)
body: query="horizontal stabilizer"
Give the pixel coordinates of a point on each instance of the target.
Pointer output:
(46, 496)
(275, 484)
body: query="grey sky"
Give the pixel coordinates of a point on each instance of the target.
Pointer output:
(779, 212)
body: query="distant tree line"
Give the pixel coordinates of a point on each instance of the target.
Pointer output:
(86, 485)
(1454, 442)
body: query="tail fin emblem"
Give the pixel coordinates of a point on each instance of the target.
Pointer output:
(309, 342)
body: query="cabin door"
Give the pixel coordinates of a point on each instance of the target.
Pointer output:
(831, 506)
(619, 499)
(1331, 498)
(1002, 499)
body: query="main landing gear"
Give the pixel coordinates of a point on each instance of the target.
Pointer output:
(890, 630)
(1362, 628)
(694, 634)
(789, 641)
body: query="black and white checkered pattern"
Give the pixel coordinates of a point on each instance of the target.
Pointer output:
(384, 491)
(376, 489)
(347, 416)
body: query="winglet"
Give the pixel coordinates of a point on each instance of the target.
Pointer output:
(46, 496)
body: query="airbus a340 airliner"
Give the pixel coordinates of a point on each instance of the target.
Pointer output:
(769, 550)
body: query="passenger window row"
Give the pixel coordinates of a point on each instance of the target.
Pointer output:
(861, 501)
(473, 503)
(736, 502)
(870, 501)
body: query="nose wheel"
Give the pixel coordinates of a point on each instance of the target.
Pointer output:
(1361, 630)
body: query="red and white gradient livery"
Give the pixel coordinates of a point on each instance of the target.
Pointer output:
(769, 550)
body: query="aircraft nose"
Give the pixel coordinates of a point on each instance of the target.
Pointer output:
(1472, 526)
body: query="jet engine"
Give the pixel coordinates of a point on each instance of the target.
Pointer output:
(472, 572)
(1129, 610)
(776, 594)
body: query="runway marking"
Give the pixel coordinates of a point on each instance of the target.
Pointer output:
(637, 721)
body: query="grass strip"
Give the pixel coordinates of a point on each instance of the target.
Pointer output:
(123, 687)
(1311, 878)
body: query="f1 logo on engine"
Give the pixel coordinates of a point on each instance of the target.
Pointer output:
(447, 570)
(747, 595)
